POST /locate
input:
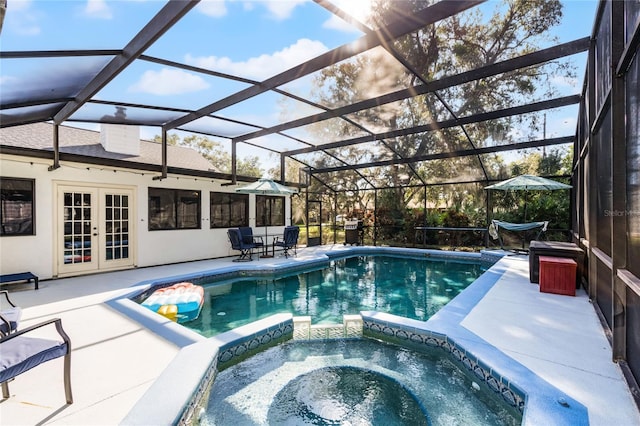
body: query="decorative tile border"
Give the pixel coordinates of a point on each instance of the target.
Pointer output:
(490, 257)
(243, 342)
(199, 402)
(418, 339)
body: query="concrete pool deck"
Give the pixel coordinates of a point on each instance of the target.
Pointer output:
(115, 359)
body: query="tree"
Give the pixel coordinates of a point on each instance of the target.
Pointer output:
(216, 154)
(463, 42)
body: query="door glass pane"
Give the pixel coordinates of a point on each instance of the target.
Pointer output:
(117, 226)
(77, 227)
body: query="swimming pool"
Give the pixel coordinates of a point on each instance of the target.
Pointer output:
(197, 365)
(411, 287)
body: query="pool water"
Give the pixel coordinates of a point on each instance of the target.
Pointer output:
(410, 287)
(355, 382)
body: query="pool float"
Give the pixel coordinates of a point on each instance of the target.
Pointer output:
(180, 302)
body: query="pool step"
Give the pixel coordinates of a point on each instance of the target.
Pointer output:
(303, 329)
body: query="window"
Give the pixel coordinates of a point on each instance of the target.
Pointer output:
(16, 212)
(173, 209)
(229, 210)
(269, 210)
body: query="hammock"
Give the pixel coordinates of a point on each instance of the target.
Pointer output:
(518, 227)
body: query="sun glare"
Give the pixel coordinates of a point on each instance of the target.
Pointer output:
(359, 9)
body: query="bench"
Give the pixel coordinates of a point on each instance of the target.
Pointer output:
(20, 353)
(22, 276)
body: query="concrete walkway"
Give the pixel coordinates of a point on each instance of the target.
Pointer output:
(559, 338)
(115, 359)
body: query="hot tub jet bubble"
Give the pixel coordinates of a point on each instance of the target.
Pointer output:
(334, 395)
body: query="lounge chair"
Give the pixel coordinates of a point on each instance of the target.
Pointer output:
(237, 243)
(289, 240)
(20, 353)
(9, 317)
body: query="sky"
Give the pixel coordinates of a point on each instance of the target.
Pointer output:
(252, 39)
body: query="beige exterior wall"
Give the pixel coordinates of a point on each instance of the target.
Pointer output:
(37, 253)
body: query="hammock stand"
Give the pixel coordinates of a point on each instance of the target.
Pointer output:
(495, 226)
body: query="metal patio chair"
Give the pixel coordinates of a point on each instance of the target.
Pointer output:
(237, 243)
(247, 236)
(289, 240)
(9, 317)
(20, 353)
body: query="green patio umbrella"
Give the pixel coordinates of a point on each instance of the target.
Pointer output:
(265, 186)
(528, 183)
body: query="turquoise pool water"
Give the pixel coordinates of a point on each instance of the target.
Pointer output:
(411, 287)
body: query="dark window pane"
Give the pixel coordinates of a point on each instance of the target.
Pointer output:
(189, 209)
(173, 209)
(269, 210)
(229, 210)
(16, 212)
(162, 207)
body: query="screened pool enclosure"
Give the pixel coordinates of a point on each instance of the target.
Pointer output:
(399, 123)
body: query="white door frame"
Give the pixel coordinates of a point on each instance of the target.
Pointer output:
(97, 235)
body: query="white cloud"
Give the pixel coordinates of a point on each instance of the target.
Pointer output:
(22, 18)
(263, 66)
(282, 9)
(97, 9)
(213, 8)
(8, 80)
(336, 23)
(278, 9)
(169, 82)
(19, 4)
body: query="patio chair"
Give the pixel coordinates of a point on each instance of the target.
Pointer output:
(9, 317)
(247, 236)
(237, 243)
(20, 353)
(289, 240)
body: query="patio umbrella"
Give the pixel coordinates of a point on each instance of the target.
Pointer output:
(265, 186)
(528, 183)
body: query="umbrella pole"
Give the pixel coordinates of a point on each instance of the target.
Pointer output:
(526, 193)
(265, 253)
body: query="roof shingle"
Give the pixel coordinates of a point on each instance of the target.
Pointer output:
(85, 142)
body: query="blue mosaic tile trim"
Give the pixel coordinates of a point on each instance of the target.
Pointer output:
(404, 251)
(490, 257)
(200, 397)
(510, 394)
(238, 349)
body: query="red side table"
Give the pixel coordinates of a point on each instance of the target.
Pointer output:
(558, 275)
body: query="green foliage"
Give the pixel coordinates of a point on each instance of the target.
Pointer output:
(455, 219)
(463, 42)
(216, 154)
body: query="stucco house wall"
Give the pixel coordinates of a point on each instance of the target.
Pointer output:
(39, 253)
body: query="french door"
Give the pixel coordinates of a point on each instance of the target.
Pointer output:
(94, 230)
